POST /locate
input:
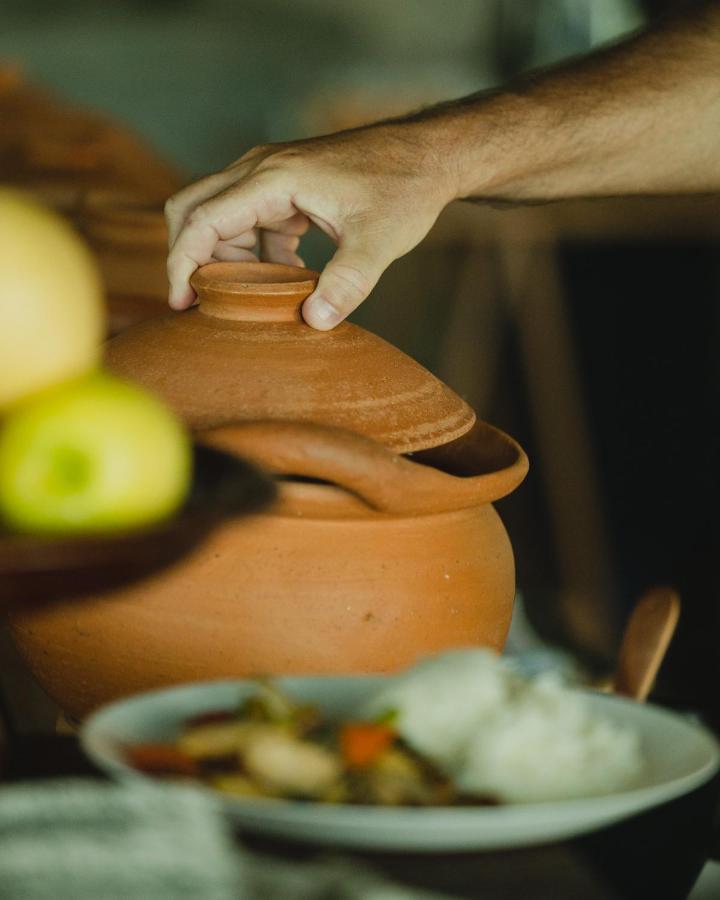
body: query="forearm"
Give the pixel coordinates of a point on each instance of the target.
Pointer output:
(640, 117)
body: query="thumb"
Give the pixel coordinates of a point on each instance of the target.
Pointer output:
(344, 283)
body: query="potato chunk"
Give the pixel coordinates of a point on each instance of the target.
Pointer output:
(217, 739)
(285, 765)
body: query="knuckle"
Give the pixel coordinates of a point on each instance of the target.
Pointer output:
(190, 194)
(178, 259)
(248, 157)
(279, 156)
(199, 216)
(173, 258)
(174, 205)
(351, 283)
(263, 149)
(258, 150)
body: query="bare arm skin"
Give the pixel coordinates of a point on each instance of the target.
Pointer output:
(640, 117)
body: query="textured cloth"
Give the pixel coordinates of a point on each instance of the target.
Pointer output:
(88, 840)
(331, 879)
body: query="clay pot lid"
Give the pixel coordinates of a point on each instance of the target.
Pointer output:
(245, 353)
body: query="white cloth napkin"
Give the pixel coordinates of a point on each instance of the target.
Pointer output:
(76, 839)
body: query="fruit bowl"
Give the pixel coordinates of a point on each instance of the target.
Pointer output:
(51, 568)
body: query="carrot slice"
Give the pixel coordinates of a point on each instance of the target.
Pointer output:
(361, 743)
(160, 759)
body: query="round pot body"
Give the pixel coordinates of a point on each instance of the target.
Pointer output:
(369, 561)
(281, 593)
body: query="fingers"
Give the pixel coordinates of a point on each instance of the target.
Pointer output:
(345, 282)
(227, 253)
(237, 249)
(193, 247)
(180, 205)
(279, 248)
(279, 242)
(231, 213)
(221, 218)
(297, 225)
(185, 201)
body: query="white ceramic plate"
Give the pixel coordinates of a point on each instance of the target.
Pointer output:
(681, 756)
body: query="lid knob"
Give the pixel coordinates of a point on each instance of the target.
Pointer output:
(253, 291)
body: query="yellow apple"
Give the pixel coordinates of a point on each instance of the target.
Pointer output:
(52, 315)
(91, 455)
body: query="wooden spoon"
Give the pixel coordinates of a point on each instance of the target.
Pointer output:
(645, 641)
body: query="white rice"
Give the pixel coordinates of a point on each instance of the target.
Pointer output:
(495, 732)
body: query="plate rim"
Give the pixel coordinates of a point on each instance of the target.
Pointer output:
(267, 815)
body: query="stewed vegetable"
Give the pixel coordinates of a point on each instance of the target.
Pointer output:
(272, 747)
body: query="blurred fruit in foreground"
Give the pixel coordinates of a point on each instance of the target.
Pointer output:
(52, 316)
(94, 454)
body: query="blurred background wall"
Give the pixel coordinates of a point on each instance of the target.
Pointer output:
(589, 332)
(205, 80)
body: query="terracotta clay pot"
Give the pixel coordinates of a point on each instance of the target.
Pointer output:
(370, 560)
(128, 235)
(245, 354)
(382, 562)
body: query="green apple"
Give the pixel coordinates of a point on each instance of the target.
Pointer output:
(93, 454)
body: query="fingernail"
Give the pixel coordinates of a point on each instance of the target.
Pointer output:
(322, 311)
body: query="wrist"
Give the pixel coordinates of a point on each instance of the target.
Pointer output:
(422, 154)
(494, 143)
(492, 140)
(478, 147)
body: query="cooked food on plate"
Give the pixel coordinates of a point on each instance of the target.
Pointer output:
(462, 728)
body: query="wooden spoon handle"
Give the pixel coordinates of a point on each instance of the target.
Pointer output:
(645, 641)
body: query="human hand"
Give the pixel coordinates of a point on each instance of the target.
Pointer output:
(375, 191)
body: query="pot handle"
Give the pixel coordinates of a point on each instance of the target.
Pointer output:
(384, 480)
